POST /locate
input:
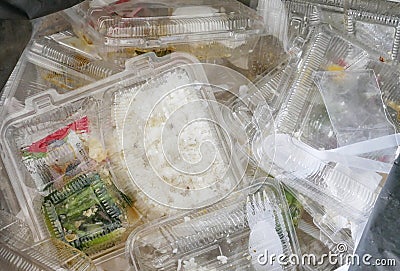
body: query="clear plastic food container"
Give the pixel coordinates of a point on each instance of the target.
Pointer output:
(18, 251)
(330, 183)
(303, 113)
(56, 61)
(63, 150)
(354, 103)
(387, 76)
(318, 232)
(145, 24)
(216, 237)
(54, 149)
(333, 227)
(174, 140)
(63, 188)
(225, 32)
(375, 24)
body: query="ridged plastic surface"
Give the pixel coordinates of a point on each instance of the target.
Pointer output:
(19, 252)
(161, 22)
(327, 51)
(65, 177)
(214, 238)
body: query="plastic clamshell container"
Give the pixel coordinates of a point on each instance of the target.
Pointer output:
(54, 148)
(227, 33)
(174, 140)
(53, 62)
(376, 24)
(212, 238)
(19, 252)
(346, 191)
(303, 113)
(145, 24)
(63, 187)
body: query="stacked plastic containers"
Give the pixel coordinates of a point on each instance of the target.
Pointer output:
(219, 237)
(301, 117)
(57, 61)
(224, 32)
(121, 134)
(18, 251)
(89, 165)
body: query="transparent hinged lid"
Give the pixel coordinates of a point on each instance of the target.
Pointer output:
(303, 113)
(376, 24)
(304, 132)
(56, 61)
(61, 148)
(150, 24)
(174, 140)
(354, 104)
(230, 235)
(19, 252)
(53, 148)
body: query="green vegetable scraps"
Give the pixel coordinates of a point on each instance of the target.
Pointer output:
(83, 213)
(295, 208)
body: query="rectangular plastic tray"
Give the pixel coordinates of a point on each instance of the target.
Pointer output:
(18, 251)
(52, 127)
(206, 237)
(303, 113)
(161, 22)
(303, 116)
(231, 34)
(57, 61)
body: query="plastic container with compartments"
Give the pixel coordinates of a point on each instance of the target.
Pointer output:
(376, 24)
(56, 61)
(212, 238)
(18, 251)
(225, 32)
(147, 25)
(333, 185)
(64, 177)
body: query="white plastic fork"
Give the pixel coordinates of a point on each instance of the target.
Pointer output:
(264, 239)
